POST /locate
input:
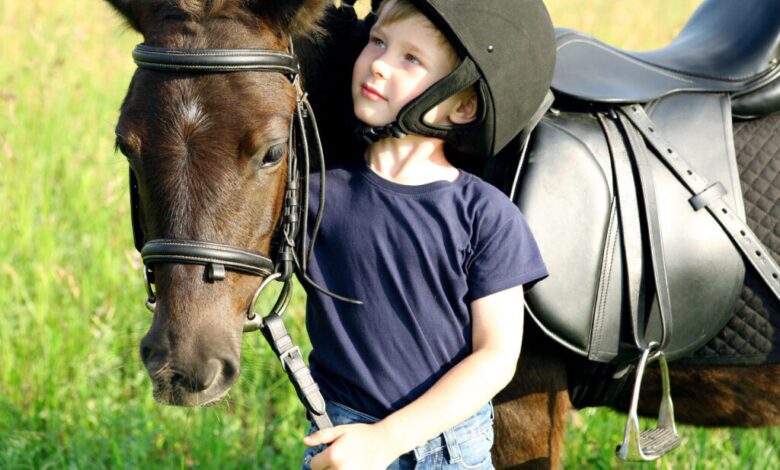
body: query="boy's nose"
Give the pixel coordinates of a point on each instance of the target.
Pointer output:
(380, 68)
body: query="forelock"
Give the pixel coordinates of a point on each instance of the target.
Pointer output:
(202, 9)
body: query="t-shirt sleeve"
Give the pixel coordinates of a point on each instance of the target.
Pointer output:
(505, 257)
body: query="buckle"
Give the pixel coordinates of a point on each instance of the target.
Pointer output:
(293, 353)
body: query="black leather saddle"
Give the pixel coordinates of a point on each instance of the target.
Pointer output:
(631, 188)
(575, 198)
(633, 256)
(726, 46)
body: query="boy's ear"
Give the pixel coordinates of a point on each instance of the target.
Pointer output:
(466, 110)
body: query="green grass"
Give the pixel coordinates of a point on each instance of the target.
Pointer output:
(73, 392)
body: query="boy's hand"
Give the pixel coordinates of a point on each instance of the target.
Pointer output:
(352, 447)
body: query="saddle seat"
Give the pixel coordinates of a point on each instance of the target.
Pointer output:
(726, 46)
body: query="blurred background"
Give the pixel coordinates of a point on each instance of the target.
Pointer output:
(73, 391)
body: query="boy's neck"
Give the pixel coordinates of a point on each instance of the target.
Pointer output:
(411, 160)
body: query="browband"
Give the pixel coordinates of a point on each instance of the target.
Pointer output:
(213, 60)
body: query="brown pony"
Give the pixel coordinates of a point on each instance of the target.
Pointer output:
(205, 151)
(208, 151)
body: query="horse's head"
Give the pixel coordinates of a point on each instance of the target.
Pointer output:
(209, 151)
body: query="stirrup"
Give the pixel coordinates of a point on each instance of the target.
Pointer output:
(653, 443)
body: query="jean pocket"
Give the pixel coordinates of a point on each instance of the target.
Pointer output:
(475, 451)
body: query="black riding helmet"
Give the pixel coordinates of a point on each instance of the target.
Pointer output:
(507, 49)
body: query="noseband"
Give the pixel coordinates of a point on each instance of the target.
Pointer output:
(219, 258)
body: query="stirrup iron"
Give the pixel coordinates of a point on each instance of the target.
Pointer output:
(652, 443)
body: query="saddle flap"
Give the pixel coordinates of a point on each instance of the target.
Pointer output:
(571, 220)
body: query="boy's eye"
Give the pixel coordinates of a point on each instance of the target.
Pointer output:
(377, 42)
(412, 59)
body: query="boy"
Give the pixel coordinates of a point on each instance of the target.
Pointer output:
(438, 257)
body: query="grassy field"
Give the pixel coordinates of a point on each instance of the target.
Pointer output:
(73, 392)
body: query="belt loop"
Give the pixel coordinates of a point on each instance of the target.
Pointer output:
(451, 443)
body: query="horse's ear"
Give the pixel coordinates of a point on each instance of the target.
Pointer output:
(294, 16)
(130, 10)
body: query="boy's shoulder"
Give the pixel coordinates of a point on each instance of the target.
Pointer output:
(486, 200)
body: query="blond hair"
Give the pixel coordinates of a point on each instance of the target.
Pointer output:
(392, 11)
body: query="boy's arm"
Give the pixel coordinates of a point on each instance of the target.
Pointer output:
(497, 332)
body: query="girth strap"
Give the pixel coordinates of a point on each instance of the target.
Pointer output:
(308, 392)
(747, 242)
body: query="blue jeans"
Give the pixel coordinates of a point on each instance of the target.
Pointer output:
(464, 446)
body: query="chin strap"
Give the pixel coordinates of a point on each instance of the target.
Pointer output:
(374, 134)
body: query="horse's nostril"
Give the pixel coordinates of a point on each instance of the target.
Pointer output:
(211, 372)
(153, 352)
(229, 371)
(201, 378)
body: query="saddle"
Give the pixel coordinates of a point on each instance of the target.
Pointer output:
(579, 195)
(630, 185)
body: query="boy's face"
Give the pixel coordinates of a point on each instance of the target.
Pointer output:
(401, 60)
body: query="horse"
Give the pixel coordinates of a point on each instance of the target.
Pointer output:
(209, 156)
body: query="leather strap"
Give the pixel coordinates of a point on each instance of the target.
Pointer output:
(290, 355)
(214, 60)
(655, 239)
(207, 254)
(630, 227)
(747, 242)
(371, 135)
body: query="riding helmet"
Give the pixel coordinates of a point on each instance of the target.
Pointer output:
(507, 49)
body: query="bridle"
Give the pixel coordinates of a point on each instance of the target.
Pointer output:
(218, 258)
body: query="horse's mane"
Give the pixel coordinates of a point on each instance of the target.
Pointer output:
(327, 60)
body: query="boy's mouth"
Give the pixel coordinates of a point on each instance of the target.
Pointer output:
(370, 92)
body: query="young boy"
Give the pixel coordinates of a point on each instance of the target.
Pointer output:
(438, 257)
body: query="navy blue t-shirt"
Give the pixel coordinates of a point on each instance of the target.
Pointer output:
(416, 256)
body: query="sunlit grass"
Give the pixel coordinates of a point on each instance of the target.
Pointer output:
(73, 392)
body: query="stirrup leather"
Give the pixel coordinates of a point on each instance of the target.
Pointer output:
(643, 446)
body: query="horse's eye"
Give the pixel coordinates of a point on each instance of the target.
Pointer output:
(274, 155)
(121, 145)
